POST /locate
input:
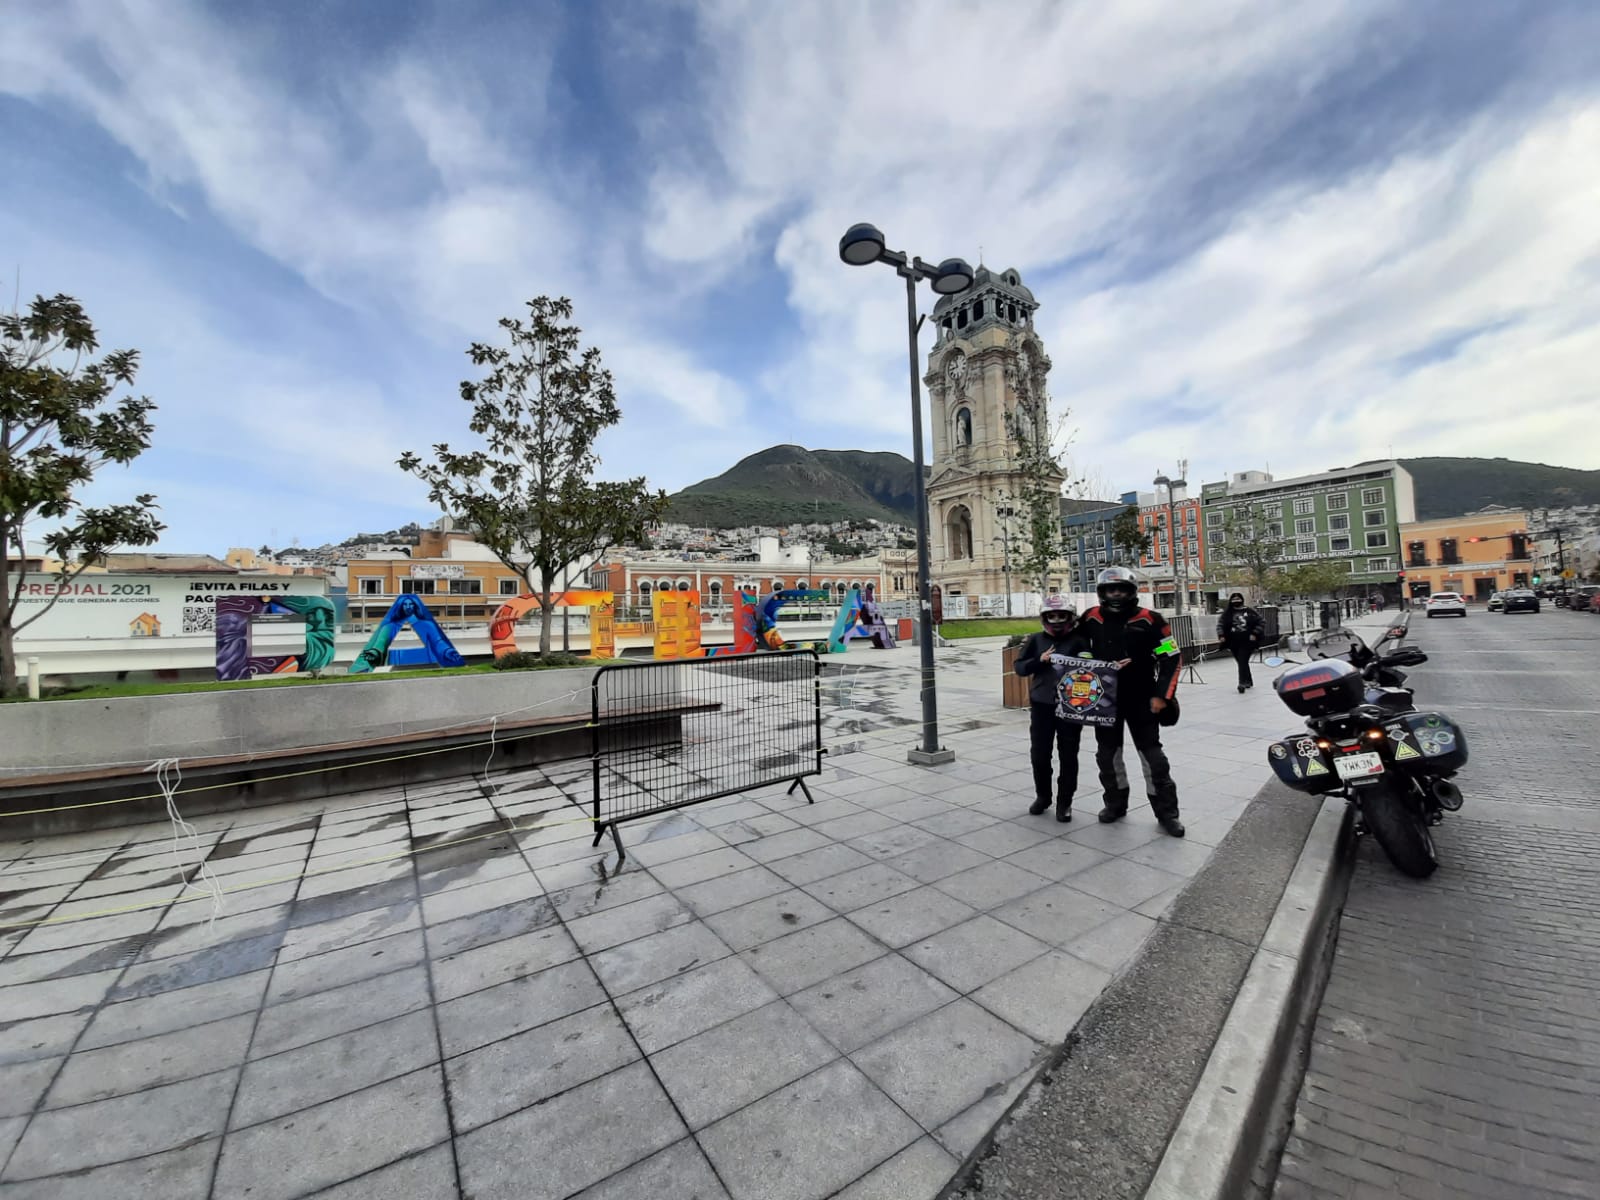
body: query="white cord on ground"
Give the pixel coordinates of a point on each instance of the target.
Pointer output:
(168, 776)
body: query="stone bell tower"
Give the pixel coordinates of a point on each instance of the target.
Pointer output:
(984, 354)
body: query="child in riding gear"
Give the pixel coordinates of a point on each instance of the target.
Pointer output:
(1042, 659)
(1239, 628)
(1140, 641)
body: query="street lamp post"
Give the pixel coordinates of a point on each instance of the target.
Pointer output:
(1175, 486)
(860, 245)
(1005, 514)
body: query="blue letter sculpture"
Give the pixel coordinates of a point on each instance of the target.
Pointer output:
(408, 610)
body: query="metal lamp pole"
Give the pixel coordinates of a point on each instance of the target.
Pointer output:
(860, 245)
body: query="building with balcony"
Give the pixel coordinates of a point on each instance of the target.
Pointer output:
(1476, 555)
(1350, 516)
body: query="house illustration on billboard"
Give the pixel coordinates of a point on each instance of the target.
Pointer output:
(145, 625)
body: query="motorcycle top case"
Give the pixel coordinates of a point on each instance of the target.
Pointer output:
(1428, 740)
(1300, 764)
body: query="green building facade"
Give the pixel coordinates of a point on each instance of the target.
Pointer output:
(1350, 516)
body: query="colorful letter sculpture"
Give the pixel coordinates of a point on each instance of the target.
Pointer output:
(860, 617)
(755, 626)
(235, 616)
(677, 618)
(408, 610)
(602, 629)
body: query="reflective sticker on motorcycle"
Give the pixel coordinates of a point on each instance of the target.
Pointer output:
(1295, 766)
(1315, 767)
(1279, 752)
(1168, 646)
(1306, 748)
(1432, 718)
(1404, 750)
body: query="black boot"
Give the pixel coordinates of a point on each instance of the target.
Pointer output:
(1064, 810)
(1171, 825)
(1241, 689)
(1110, 813)
(1037, 807)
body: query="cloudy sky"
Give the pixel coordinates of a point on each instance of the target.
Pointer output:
(1261, 233)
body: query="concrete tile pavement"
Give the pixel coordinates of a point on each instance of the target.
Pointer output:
(770, 999)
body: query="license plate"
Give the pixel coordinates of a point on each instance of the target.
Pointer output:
(1358, 766)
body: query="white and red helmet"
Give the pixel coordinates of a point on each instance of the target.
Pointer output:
(1057, 615)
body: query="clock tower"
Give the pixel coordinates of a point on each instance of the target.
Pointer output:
(985, 360)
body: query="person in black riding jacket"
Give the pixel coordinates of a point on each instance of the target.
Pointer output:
(1239, 627)
(1048, 734)
(1139, 641)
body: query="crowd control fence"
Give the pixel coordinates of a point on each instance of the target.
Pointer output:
(670, 734)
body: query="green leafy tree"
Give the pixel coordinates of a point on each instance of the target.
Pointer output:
(1311, 579)
(529, 494)
(1252, 547)
(58, 426)
(1038, 545)
(1127, 533)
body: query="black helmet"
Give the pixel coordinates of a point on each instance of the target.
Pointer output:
(1118, 589)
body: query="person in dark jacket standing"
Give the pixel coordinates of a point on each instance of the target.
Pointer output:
(1047, 733)
(1139, 641)
(1239, 628)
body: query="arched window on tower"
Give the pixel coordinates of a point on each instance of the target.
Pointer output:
(963, 426)
(961, 319)
(977, 311)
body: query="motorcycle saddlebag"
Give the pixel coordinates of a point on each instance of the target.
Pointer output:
(1427, 739)
(1301, 765)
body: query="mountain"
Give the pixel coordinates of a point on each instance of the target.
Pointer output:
(787, 485)
(1448, 487)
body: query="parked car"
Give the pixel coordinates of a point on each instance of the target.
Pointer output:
(1446, 604)
(1583, 599)
(1520, 600)
(1497, 602)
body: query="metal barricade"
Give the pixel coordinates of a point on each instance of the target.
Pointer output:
(670, 734)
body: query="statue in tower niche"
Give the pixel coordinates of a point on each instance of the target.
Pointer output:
(994, 487)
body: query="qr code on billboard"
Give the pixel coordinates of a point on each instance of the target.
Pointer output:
(199, 618)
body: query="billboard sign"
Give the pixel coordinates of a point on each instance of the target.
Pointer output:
(141, 606)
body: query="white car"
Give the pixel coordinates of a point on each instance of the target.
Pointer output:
(1446, 604)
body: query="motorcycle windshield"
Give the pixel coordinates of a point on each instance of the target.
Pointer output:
(1335, 643)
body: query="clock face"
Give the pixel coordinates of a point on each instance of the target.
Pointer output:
(956, 370)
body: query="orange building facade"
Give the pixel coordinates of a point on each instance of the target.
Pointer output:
(1476, 556)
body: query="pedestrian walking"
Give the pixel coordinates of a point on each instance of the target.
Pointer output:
(1239, 628)
(1042, 660)
(1139, 640)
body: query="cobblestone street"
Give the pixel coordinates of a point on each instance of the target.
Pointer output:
(1457, 1050)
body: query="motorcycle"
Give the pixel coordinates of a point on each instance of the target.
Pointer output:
(1367, 739)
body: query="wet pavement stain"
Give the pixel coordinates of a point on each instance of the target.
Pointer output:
(203, 966)
(391, 894)
(497, 924)
(438, 868)
(233, 847)
(481, 831)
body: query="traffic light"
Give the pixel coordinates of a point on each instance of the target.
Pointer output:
(1536, 578)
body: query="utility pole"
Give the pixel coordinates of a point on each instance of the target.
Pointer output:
(1004, 511)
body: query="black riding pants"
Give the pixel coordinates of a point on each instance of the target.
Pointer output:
(1146, 735)
(1242, 649)
(1049, 736)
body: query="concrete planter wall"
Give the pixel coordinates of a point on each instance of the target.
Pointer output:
(73, 734)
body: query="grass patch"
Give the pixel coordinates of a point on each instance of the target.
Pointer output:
(111, 691)
(990, 627)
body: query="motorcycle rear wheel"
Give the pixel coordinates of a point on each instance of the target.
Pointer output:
(1400, 829)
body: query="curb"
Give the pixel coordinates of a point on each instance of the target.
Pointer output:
(1225, 1128)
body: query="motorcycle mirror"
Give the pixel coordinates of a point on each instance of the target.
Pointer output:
(1274, 661)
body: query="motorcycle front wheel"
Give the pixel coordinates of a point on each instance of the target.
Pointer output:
(1400, 828)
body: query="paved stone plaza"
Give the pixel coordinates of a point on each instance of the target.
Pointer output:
(441, 991)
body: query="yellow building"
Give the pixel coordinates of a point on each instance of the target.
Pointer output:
(1476, 555)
